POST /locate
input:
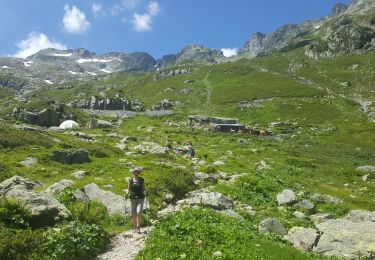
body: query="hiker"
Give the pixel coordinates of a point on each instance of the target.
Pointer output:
(191, 151)
(168, 145)
(136, 189)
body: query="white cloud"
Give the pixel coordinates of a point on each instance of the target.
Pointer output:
(75, 20)
(34, 43)
(123, 6)
(130, 4)
(228, 52)
(98, 10)
(153, 8)
(142, 22)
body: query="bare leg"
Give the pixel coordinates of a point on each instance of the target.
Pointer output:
(135, 221)
(139, 217)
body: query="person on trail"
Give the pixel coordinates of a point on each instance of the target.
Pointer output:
(191, 151)
(168, 145)
(137, 192)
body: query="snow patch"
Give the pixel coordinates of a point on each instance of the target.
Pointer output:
(106, 71)
(317, 27)
(91, 73)
(62, 54)
(92, 60)
(75, 73)
(48, 81)
(5, 67)
(27, 63)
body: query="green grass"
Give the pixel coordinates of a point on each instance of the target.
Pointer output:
(198, 234)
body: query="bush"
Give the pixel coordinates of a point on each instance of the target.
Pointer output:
(11, 138)
(20, 244)
(180, 183)
(90, 213)
(13, 214)
(75, 240)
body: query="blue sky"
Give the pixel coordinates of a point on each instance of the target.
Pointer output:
(158, 27)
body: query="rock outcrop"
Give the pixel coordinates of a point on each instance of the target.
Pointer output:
(115, 103)
(71, 156)
(114, 203)
(286, 197)
(45, 209)
(272, 225)
(350, 237)
(45, 117)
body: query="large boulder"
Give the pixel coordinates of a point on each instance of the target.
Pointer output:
(351, 237)
(114, 203)
(71, 156)
(272, 225)
(58, 187)
(215, 200)
(366, 168)
(29, 161)
(48, 117)
(306, 205)
(45, 209)
(286, 197)
(326, 199)
(303, 238)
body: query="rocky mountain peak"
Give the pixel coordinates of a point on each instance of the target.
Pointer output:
(339, 9)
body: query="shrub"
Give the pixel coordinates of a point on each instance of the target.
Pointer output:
(180, 183)
(20, 244)
(13, 214)
(90, 213)
(75, 240)
(11, 138)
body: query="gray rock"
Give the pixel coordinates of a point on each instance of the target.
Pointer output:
(320, 217)
(29, 161)
(56, 129)
(286, 197)
(79, 174)
(205, 177)
(71, 156)
(366, 168)
(103, 124)
(307, 205)
(45, 209)
(218, 163)
(262, 165)
(326, 199)
(338, 9)
(299, 214)
(149, 147)
(231, 213)
(271, 225)
(114, 203)
(303, 238)
(80, 195)
(215, 200)
(350, 237)
(366, 177)
(108, 186)
(59, 186)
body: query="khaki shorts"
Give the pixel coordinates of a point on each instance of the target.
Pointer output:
(136, 206)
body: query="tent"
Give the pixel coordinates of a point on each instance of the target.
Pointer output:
(69, 124)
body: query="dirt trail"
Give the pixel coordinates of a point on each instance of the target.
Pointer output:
(126, 246)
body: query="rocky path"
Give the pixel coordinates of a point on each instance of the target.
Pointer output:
(126, 246)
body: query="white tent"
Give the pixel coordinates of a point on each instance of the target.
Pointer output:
(69, 124)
